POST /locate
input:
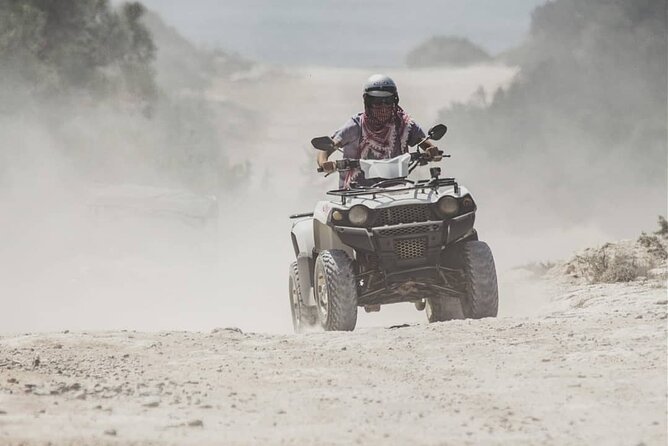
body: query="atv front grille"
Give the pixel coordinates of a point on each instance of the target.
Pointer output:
(412, 248)
(408, 230)
(415, 213)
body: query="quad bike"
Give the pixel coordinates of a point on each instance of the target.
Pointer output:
(390, 240)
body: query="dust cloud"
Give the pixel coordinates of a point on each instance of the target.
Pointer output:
(575, 148)
(73, 261)
(85, 248)
(69, 265)
(72, 258)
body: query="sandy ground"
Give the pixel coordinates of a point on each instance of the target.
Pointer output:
(591, 369)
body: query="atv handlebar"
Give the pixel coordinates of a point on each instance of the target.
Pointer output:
(435, 133)
(343, 164)
(422, 157)
(417, 159)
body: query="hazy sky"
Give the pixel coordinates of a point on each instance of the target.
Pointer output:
(343, 32)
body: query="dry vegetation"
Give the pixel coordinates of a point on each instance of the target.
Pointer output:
(624, 261)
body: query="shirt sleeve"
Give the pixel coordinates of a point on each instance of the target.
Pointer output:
(415, 134)
(346, 134)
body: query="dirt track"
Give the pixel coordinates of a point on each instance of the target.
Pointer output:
(592, 370)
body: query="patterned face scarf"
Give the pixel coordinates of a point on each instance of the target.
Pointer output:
(380, 114)
(384, 132)
(384, 135)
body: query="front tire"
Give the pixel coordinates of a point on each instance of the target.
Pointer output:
(481, 293)
(335, 291)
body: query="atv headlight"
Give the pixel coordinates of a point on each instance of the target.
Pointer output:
(447, 207)
(358, 215)
(467, 204)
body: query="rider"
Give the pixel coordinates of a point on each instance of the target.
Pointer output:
(383, 131)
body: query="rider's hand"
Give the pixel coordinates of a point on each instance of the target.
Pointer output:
(328, 166)
(432, 154)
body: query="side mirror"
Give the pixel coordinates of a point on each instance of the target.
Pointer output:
(437, 131)
(324, 143)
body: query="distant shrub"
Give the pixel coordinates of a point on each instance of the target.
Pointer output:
(622, 268)
(655, 244)
(591, 265)
(446, 51)
(608, 265)
(663, 227)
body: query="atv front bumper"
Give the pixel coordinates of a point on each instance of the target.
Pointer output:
(407, 245)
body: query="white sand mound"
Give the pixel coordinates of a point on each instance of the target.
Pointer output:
(623, 261)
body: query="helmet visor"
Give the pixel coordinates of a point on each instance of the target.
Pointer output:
(379, 93)
(389, 100)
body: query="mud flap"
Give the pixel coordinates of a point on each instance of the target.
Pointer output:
(305, 277)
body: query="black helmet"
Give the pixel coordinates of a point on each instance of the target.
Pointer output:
(380, 86)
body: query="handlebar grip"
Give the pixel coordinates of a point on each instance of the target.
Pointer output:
(320, 169)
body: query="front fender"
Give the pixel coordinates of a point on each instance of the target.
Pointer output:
(327, 238)
(302, 237)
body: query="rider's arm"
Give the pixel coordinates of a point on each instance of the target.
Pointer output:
(349, 132)
(322, 157)
(416, 135)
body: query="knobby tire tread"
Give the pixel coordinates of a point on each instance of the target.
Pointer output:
(480, 273)
(294, 277)
(341, 290)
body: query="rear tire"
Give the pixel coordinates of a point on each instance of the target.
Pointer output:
(481, 293)
(303, 317)
(441, 309)
(435, 309)
(295, 298)
(335, 291)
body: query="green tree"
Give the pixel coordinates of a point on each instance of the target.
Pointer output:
(586, 112)
(446, 51)
(60, 45)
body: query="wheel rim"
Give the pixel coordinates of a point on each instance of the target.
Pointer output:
(323, 298)
(294, 303)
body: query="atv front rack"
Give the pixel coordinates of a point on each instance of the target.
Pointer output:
(302, 215)
(433, 183)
